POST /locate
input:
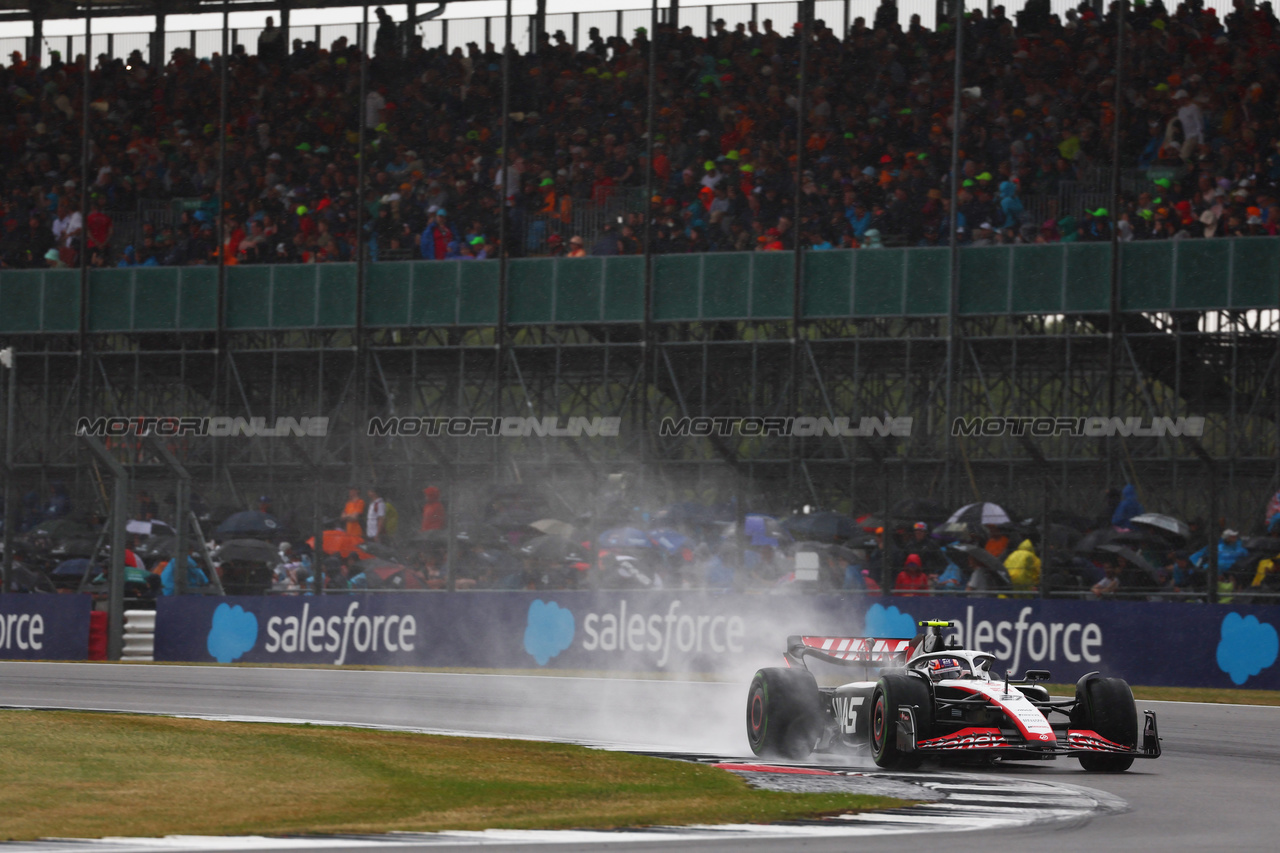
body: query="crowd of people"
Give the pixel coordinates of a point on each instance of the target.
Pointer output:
(1199, 110)
(510, 540)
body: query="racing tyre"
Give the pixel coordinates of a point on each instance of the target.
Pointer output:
(897, 691)
(784, 713)
(1105, 705)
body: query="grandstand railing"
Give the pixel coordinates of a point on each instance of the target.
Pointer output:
(458, 32)
(1178, 275)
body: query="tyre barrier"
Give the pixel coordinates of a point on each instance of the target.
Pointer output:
(139, 635)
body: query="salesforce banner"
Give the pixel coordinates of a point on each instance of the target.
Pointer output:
(727, 635)
(44, 627)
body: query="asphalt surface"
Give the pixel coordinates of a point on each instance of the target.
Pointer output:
(1215, 788)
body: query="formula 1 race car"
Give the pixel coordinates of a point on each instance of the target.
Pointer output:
(936, 700)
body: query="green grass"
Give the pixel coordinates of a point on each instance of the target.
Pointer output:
(1212, 695)
(76, 774)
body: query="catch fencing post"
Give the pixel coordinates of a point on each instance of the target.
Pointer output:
(115, 573)
(7, 360)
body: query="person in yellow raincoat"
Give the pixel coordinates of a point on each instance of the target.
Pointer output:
(1024, 566)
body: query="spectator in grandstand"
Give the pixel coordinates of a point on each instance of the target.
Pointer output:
(1024, 566)
(575, 248)
(1110, 583)
(433, 511)
(353, 512)
(1128, 507)
(375, 526)
(924, 547)
(1229, 552)
(912, 580)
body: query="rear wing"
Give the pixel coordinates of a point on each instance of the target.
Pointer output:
(848, 650)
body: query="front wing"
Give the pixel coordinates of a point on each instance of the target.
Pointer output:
(990, 740)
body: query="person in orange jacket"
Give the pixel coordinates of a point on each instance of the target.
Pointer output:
(433, 517)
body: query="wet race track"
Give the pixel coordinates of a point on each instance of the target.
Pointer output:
(1213, 789)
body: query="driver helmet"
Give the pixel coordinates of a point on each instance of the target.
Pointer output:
(943, 668)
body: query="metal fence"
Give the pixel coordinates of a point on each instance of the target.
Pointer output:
(449, 33)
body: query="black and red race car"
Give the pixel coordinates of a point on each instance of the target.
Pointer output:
(934, 700)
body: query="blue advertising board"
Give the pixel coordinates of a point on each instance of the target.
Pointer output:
(44, 627)
(729, 635)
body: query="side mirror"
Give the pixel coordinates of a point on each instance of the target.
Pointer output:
(1037, 675)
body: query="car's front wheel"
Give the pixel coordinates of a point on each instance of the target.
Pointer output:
(893, 693)
(1105, 705)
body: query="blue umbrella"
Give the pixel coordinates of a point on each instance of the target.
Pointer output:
(823, 526)
(765, 530)
(623, 537)
(668, 540)
(72, 568)
(249, 523)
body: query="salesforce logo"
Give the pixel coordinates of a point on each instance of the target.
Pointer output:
(1246, 647)
(234, 632)
(548, 631)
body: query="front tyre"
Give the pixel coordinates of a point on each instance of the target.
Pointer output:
(894, 692)
(1105, 705)
(784, 713)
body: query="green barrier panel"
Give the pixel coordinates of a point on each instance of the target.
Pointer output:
(772, 284)
(579, 288)
(677, 287)
(387, 293)
(531, 288)
(1146, 276)
(1255, 269)
(828, 284)
(62, 301)
(478, 292)
(623, 290)
(1037, 279)
(1088, 277)
(249, 297)
(878, 288)
(21, 301)
(111, 299)
(1203, 277)
(198, 298)
(726, 285)
(336, 295)
(156, 296)
(928, 274)
(293, 296)
(984, 280)
(434, 293)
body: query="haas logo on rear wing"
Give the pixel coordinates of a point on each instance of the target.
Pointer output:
(849, 649)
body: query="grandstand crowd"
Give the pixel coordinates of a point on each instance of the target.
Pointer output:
(1201, 91)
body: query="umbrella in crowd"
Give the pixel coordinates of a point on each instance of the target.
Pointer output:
(72, 568)
(1095, 539)
(249, 523)
(823, 526)
(760, 530)
(1133, 558)
(248, 551)
(553, 549)
(986, 560)
(158, 546)
(980, 513)
(623, 537)
(670, 541)
(1166, 524)
(554, 526)
(75, 547)
(60, 529)
(1263, 544)
(685, 512)
(147, 528)
(23, 579)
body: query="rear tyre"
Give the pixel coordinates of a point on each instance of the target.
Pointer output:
(784, 713)
(1105, 705)
(894, 692)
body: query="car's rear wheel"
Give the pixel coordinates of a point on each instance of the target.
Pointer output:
(1105, 705)
(893, 693)
(784, 713)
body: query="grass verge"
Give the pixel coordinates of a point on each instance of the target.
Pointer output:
(84, 775)
(1211, 695)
